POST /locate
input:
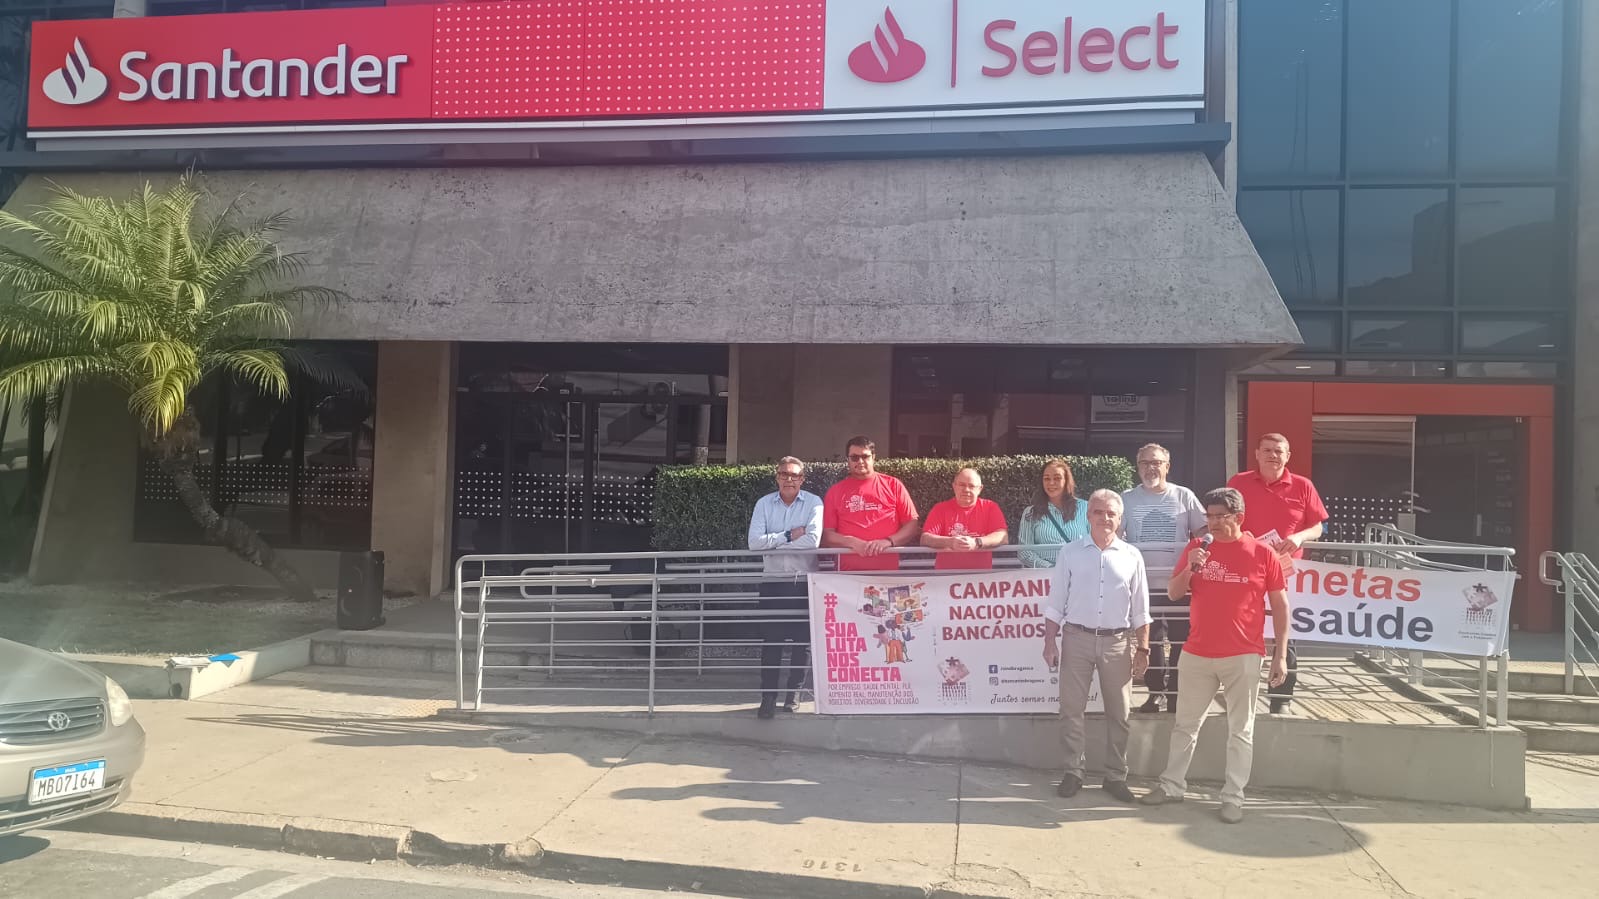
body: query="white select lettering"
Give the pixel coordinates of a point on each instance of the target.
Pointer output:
(330, 76)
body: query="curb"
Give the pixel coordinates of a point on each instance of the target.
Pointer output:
(360, 841)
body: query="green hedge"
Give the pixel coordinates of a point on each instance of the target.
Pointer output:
(708, 507)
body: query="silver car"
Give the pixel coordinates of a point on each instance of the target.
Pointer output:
(68, 743)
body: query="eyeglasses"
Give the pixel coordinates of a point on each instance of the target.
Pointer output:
(790, 476)
(1154, 462)
(1217, 516)
(860, 457)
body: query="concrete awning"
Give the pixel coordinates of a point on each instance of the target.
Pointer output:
(1047, 250)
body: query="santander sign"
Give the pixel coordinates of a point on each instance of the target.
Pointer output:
(1001, 52)
(533, 64)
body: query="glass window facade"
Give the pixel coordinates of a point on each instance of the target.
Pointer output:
(970, 401)
(1404, 172)
(298, 470)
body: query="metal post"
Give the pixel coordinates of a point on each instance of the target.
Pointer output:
(1570, 579)
(1482, 692)
(1502, 711)
(699, 639)
(482, 632)
(460, 649)
(655, 595)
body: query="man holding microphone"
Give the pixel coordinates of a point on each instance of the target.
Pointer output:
(1229, 577)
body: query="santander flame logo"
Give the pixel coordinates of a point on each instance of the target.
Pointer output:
(77, 82)
(890, 56)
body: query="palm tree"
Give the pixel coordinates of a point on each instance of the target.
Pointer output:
(151, 296)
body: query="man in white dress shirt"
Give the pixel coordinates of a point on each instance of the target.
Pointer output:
(786, 525)
(1097, 620)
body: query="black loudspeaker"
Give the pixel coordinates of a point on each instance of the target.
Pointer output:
(360, 591)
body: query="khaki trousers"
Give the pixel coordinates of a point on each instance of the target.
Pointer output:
(1238, 679)
(1081, 655)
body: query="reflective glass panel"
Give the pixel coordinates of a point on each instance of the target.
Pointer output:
(1510, 59)
(1290, 89)
(1420, 333)
(1509, 335)
(1296, 234)
(1511, 252)
(1397, 250)
(1399, 88)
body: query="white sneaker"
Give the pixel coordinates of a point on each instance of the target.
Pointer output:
(1231, 812)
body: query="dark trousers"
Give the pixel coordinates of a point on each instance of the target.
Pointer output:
(1159, 680)
(1286, 691)
(775, 635)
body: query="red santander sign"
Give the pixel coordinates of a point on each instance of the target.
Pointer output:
(610, 63)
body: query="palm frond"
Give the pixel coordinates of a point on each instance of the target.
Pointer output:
(261, 368)
(327, 370)
(39, 377)
(152, 293)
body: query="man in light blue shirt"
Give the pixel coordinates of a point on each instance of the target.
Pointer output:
(786, 526)
(1096, 621)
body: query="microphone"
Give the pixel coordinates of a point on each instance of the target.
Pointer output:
(1204, 543)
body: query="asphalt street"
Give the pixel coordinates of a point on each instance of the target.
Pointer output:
(61, 864)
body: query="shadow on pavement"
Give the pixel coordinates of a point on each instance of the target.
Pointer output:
(20, 847)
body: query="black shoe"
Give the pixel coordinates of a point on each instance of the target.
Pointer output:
(1281, 706)
(1171, 704)
(1152, 704)
(1068, 786)
(767, 710)
(1118, 789)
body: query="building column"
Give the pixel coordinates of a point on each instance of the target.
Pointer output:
(840, 390)
(86, 517)
(760, 402)
(1215, 446)
(412, 463)
(1585, 356)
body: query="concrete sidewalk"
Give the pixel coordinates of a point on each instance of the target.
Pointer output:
(349, 763)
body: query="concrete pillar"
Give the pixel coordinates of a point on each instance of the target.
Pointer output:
(86, 520)
(1229, 166)
(1215, 447)
(761, 402)
(412, 464)
(840, 390)
(130, 9)
(1585, 358)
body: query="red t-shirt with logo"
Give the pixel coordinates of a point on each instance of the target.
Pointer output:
(1287, 506)
(1227, 598)
(869, 509)
(948, 519)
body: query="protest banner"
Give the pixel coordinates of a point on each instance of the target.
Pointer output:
(1465, 612)
(891, 644)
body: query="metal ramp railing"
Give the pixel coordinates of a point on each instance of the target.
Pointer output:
(1578, 580)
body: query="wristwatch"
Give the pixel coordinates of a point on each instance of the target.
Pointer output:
(1142, 649)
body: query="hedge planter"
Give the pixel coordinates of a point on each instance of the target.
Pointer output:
(708, 507)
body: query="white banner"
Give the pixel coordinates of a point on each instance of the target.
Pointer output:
(887, 644)
(1466, 612)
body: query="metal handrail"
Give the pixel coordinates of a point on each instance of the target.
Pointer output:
(1578, 579)
(725, 578)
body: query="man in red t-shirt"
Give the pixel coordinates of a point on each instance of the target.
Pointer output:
(961, 529)
(867, 513)
(1229, 582)
(1285, 512)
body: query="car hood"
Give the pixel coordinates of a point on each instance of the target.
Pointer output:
(33, 675)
